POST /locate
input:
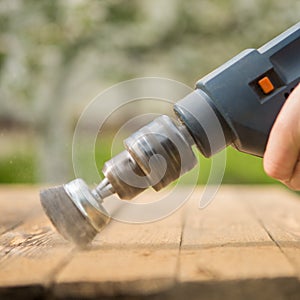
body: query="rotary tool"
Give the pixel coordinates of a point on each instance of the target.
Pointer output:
(236, 105)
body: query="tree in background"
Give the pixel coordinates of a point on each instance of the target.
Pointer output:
(55, 55)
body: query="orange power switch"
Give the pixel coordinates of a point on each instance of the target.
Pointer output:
(266, 85)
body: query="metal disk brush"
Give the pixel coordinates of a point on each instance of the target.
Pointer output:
(76, 211)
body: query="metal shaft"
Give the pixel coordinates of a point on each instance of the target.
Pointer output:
(103, 190)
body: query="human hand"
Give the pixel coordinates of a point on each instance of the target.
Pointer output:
(282, 155)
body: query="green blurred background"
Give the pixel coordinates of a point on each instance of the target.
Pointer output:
(55, 56)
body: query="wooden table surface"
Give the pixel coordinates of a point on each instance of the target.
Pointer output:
(244, 245)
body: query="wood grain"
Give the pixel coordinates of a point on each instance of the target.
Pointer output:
(226, 243)
(125, 259)
(244, 245)
(282, 222)
(15, 205)
(31, 252)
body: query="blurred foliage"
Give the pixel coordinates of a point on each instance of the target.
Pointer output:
(55, 55)
(18, 169)
(240, 167)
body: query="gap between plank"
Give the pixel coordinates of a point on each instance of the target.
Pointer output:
(260, 221)
(21, 222)
(56, 271)
(177, 267)
(12, 227)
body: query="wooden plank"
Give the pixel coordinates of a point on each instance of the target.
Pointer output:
(225, 243)
(279, 213)
(31, 253)
(15, 205)
(165, 233)
(126, 259)
(245, 245)
(116, 272)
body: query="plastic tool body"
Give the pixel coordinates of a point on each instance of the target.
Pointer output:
(246, 94)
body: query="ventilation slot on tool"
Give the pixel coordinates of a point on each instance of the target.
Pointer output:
(286, 95)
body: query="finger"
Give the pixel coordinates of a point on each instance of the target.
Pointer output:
(294, 182)
(280, 157)
(282, 150)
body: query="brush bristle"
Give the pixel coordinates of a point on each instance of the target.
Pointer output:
(66, 217)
